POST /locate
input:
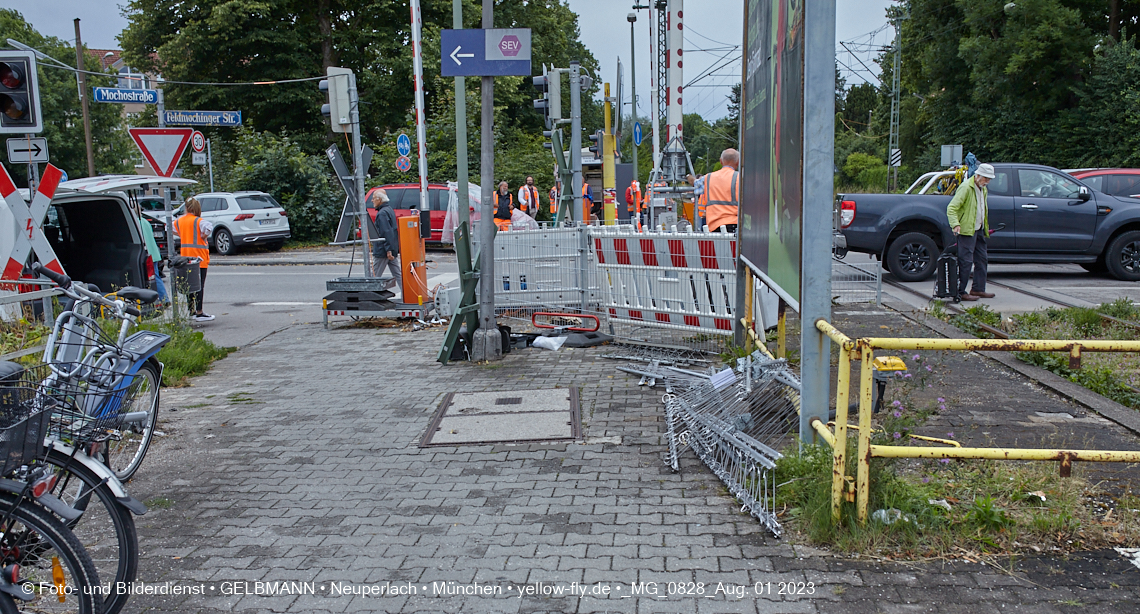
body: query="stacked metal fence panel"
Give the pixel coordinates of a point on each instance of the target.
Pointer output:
(856, 283)
(737, 429)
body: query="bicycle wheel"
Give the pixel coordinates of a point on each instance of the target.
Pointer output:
(53, 564)
(125, 455)
(106, 529)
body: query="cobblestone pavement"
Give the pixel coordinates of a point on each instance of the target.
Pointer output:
(296, 460)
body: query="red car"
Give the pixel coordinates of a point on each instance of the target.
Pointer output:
(1112, 181)
(405, 200)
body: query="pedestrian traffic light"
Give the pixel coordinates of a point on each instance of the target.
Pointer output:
(19, 94)
(596, 139)
(339, 107)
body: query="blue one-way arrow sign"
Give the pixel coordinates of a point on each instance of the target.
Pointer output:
(486, 53)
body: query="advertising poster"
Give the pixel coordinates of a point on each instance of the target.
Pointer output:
(772, 150)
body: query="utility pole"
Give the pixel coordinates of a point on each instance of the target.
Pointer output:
(210, 161)
(894, 155)
(632, 18)
(461, 172)
(84, 101)
(487, 343)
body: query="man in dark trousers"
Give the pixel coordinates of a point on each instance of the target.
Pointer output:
(386, 249)
(968, 215)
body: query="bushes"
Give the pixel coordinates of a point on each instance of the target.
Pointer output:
(865, 171)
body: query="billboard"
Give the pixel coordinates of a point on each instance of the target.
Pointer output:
(772, 152)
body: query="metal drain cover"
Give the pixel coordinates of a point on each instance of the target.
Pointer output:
(505, 417)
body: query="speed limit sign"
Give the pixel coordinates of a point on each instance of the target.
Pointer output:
(198, 142)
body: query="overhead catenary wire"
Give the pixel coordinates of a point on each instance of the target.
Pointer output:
(62, 66)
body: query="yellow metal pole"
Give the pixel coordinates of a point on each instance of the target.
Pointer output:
(834, 334)
(748, 315)
(823, 431)
(609, 193)
(1001, 345)
(757, 340)
(781, 332)
(839, 448)
(863, 477)
(1020, 454)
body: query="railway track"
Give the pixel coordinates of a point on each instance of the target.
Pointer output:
(956, 308)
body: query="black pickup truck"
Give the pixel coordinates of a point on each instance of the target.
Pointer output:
(1049, 217)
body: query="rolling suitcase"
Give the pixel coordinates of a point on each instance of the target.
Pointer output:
(946, 275)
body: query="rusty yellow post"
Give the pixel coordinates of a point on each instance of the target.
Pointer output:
(1075, 357)
(748, 315)
(782, 332)
(839, 449)
(863, 476)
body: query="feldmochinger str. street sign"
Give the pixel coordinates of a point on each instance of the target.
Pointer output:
(227, 119)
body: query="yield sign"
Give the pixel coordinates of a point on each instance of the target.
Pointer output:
(162, 147)
(29, 235)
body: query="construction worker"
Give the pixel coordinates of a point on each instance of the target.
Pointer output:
(528, 198)
(722, 190)
(193, 233)
(702, 199)
(504, 205)
(554, 201)
(647, 200)
(633, 200)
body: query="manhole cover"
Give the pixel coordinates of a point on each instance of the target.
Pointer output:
(505, 417)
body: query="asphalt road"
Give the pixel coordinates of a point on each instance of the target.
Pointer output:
(253, 295)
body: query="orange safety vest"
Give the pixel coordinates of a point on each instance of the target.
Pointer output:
(532, 201)
(702, 202)
(633, 197)
(554, 201)
(193, 240)
(722, 191)
(503, 224)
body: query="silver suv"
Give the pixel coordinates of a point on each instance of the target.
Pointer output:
(244, 218)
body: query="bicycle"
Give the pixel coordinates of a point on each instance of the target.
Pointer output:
(43, 566)
(106, 377)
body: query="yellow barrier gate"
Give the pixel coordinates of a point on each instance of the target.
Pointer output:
(863, 350)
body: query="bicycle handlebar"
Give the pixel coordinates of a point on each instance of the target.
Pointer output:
(79, 291)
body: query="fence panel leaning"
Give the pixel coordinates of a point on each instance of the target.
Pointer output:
(545, 268)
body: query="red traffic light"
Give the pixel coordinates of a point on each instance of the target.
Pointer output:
(11, 75)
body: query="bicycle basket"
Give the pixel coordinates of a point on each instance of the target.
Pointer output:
(24, 416)
(86, 412)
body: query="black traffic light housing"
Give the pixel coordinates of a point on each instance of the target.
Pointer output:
(19, 94)
(596, 139)
(542, 84)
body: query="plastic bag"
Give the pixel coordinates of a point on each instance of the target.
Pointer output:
(522, 221)
(549, 343)
(451, 219)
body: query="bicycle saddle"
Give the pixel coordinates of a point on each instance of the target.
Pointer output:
(145, 297)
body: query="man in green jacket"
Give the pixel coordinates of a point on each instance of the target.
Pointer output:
(969, 216)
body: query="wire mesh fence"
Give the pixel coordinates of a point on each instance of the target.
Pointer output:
(856, 283)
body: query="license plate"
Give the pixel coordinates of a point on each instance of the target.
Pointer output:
(265, 222)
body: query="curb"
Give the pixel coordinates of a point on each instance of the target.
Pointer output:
(1124, 416)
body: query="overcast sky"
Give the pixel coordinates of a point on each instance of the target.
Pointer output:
(709, 25)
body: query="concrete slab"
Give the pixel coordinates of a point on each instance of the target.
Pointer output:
(504, 417)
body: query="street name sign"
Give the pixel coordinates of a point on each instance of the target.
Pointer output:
(27, 151)
(126, 96)
(162, 147)
(226, 119)
(486, 53)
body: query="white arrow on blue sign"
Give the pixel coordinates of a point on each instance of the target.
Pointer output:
(485, 53)
(637, 133)
(403, 145)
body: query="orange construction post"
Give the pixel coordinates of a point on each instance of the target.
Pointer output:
(413, 265)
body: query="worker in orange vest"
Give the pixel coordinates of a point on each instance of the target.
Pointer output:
(647, 200)
(554, 201)
(722, 190)
(633, 198)
(528, 198)
(504, 205)
(193, 233)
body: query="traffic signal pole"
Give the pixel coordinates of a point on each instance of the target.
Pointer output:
(487, 342)
(358, 175)
(581, 213)
(461, 172)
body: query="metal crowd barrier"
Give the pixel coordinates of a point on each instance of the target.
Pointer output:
(863, 350)
(856, 283)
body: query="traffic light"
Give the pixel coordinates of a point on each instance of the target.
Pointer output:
(339, 107)
(549, 84)
(19, 94)
(596, 139)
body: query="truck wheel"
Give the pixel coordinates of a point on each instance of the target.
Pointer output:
(1123, 256)
(912, 256)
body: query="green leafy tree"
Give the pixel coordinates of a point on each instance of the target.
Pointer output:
(62, 112)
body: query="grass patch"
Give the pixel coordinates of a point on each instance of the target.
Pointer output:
(994, 508)
(160, 502)
(242, 398)
(187, 354)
